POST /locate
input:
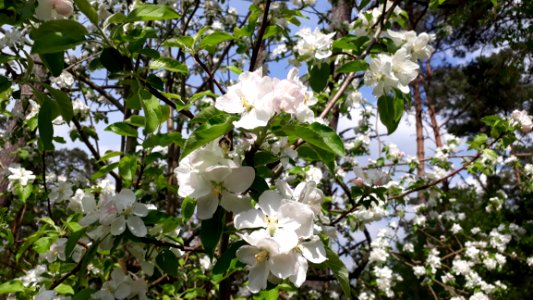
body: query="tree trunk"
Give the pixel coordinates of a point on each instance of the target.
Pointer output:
(8, 152)
(419, 134)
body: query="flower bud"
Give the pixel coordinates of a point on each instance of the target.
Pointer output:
(359, 182)
(63, 7)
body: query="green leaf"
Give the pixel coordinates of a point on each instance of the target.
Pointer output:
(64, 289)
(104, 171)
(224, 262)
(42, 245)
(127, 168)
(168, 262)
(136, 120)
(63, 103)
(24, 192)
(152, 113)
(169, 64)
(187, 208)
(72, 241)
(122, 128)
(318, 135)
(54, 62)
(5, 84)
(164, 139)
(57, 35)
(46, 128)
(318, 76)
(113, 60)
(88, 10)
(215, 38)
(262, 158)
(12, 286)
(183, 42)
(83, 294)
(145, 12)
(211, 231)
(353, 66)
(339, 271)
(390, 111)
(207, 133)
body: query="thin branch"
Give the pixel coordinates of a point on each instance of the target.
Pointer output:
(260, 34)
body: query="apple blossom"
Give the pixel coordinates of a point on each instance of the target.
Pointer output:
(314, 44)
(20, 175)
(523, 119)
(210, 178)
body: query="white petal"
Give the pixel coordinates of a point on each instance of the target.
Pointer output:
(240, 179)
(118, 226)
(234, 203)
(257, 277)
(270, 202)
(136, 226)
(124, 199)
(292, 211)
(253, 218)
(287, 239)
(314, 251)
(123, 291)
(301, 272)
(246, 254)
(206, 206)
(217, 173)
(283, 265)
(140, 209)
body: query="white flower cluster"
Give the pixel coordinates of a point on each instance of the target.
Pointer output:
(122, 286)
(522, 119)
(114, 213)
(210, 177)
(280, 234)
(258, 98)
(20, 175)
(314, 44)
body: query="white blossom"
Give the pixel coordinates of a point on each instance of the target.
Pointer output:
(314, 43)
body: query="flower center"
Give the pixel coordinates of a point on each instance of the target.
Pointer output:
(272, 225)
(261, 257)
(246, 104)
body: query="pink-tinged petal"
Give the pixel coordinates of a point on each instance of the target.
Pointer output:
(314, 251)
(301, 272)
(270, 202)
(89, 219)
(140, 209)
(253, 218)
(230, 102)
(257, 278)
(239, 180)
(136, 226)
(206, 206)
(283, 265)
(292, 211)
(118, 226)
(234, 203)
(217, 173)
(246, 254)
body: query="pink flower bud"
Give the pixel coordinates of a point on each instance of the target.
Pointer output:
(359, 182)
(63, 7)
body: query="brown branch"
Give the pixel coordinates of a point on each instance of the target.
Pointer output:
(260, 34)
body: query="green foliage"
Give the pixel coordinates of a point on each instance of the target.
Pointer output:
(57, 36)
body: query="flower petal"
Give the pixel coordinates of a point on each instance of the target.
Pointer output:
(136, 226)
(283, 265)
(240, 179)
(246, 254)
(118, 226)
(206, 206)
(314, 251)
(235, 203)
(257, 277)
(253, 218)
(140, 209)
(270, 202)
